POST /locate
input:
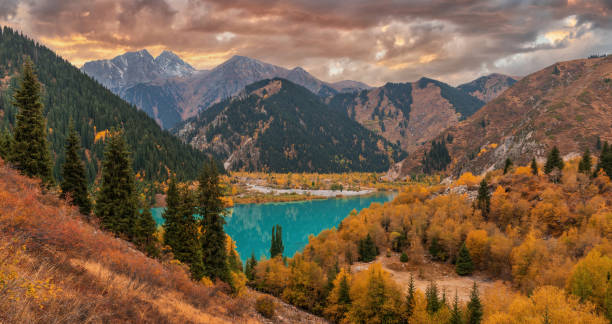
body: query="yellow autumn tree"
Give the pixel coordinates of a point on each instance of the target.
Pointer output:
(376, 297)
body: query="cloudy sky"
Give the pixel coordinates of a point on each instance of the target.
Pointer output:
(373, 41)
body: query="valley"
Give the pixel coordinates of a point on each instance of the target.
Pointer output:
(305, 162)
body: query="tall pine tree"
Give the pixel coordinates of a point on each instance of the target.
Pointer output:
(30, 149)
(553, 161)
(6, 144)
(116, 201)
(144, 231)
(181, 230)
(210, 207)
(74, 179)
(483, 201)
(431, 295)
(534, 166)
(507, 165)
(456, 312)
(585, 164)
(276, 246)
(474, 307)
(464, 265)
(410, 297)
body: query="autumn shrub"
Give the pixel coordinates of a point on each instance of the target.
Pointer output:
(265, 306)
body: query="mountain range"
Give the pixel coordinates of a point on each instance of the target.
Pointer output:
(567, 104)
(277, 125)
(170, 90)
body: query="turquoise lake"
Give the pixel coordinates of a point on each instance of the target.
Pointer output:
(250, 225)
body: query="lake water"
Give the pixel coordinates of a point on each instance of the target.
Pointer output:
(250, 225)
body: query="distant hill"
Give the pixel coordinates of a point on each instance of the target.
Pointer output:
(408, 114)
(276, 125)
(170, 95)
(487, 88)
(69, 93)
(568, 104)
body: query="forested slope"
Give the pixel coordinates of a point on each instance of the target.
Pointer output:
(68, 93)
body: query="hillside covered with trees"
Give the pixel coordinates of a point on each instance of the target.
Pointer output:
(68, 94)
(276, 125)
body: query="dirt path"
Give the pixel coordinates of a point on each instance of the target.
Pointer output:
(443, 274)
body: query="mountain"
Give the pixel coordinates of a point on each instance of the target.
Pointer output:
(276, 125)
(568, 105)
(132, 68)
(172, 97)
(487, 88)
(68, 93)
(408, 114)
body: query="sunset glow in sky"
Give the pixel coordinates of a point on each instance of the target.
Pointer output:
(373, 41)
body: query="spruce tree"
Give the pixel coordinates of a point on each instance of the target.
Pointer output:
(116, 201)
(507, 165)
(464, 265)
(276, 246)
(605, 160)
(211, 210)
(144, 232)
(483, 200)
(344, 297)
(367, 249)
(553, 161)
(74, 178)
(456, 312)
(585, 164)
(474, 307)
(181, 229)
(6, 143)
(534, 166)
(410, 297)
(249, 268)
(30, 150)
(431, 295)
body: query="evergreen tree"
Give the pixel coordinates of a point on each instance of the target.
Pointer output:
(553, 161)
(605, 160)
(507, 165)
(464, 265)
(116, 201)
(74, 178)
(456, 312)
(6, 143)
(30, 149)
(367, 249)
(181, 229)
(431, 295)
(344, 297)
(276, 247)
(585, 164)
(483, 200)
(474, 307)
(249, 268)
(608, 299)
(534, 167)
(144, 232)
(437, 159)
(211, 210)
(410, 297)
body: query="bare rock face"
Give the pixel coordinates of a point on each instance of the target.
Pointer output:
(409, 114)
(489, 87)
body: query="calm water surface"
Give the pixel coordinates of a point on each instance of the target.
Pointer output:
(250, 225)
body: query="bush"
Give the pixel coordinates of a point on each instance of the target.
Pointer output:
(404, 257)
(265, 306)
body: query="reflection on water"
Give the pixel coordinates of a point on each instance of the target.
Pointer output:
(250, 225)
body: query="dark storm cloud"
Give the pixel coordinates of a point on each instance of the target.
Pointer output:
(373, 41)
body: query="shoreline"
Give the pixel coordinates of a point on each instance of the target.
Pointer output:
(325, 193)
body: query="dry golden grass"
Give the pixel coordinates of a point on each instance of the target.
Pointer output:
(55, 267)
